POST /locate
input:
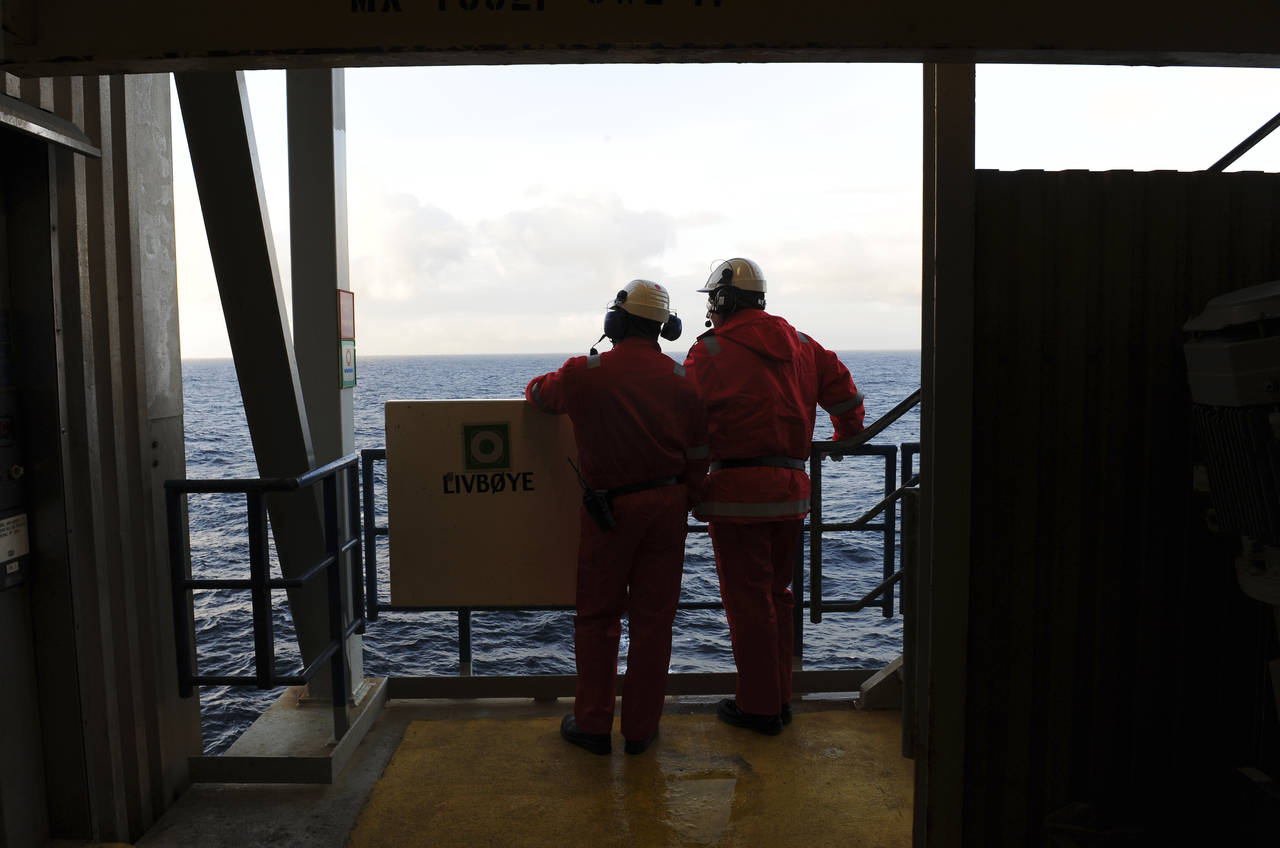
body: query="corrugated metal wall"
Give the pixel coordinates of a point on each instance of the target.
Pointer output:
(96, 341)
(1114, 667)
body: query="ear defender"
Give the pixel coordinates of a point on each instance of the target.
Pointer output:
(671, 329)
(615, 324)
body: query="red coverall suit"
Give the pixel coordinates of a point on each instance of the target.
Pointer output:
(759, 381)
(636, 419)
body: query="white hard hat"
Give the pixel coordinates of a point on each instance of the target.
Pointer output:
(645, 299)
(739, 273)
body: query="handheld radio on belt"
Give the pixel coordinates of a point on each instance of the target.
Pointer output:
(596, 501)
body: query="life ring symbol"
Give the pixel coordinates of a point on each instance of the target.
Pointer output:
(486, 446)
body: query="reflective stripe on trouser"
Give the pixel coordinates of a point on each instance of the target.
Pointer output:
(755, 563)
(635, 570)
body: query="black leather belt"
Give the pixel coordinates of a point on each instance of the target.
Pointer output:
(758, 461)
(640, 487)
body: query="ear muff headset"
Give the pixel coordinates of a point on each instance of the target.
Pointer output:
(671, 329)
(615, 320)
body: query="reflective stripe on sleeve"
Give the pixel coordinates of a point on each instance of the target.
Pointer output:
(679, 369)
(845, 406)
(712, 344)
(803, 338)
(593, 361)
(537, 397)
(752, 510)
(697, 452)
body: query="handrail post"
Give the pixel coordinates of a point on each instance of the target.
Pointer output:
(338, 662)
(264, 660)
(182, 623)
(464, 642)
(352, 533)
(797, 609)
(815, 535)
(890, 528)
(910, 529)
(370, 539)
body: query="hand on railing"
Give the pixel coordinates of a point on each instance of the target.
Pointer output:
(837, 450)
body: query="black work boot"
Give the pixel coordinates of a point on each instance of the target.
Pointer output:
(639, 746)
(769, 725)
(596, 743)
(785, 715)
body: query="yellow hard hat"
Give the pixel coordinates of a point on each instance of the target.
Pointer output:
(739, 273)
(645, 299)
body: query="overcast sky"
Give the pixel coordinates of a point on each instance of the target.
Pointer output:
(498, 209)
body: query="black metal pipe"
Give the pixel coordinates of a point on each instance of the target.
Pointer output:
(260, 484)
(838, 526)
(867, 600)
(815, 535)
(304, 578)
(215, 583)
(182, 624)
(1245, 146)
(464, 641)
(910, 450)
(338, 682)
(371, 533)
(862, 523)
(890, 526)
(797, 609)
(264, 642)
(686, 605)
(318, 663)
(880, 425)
(354, 543)
(910, 525)
(243, 680)
(828, 447)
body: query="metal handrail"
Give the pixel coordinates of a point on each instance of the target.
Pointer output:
(817, 605)
(260, 584)
(818, 450)
(361, 495)
(881, 424)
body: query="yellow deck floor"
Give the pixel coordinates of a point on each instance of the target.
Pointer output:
(834, 777)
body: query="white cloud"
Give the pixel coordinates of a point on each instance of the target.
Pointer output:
(400, 247)
(844, 267)
(568, 253)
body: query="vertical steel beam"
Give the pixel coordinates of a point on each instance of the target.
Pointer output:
(318, 252)
(215, 112)
(946, 460)
(152, 374)
(317, 128)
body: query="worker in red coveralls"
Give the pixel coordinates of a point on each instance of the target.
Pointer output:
(642, 440)
(759, 381)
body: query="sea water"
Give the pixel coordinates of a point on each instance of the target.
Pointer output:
(417, 644)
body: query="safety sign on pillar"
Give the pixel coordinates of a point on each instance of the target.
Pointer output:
(347, 337)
